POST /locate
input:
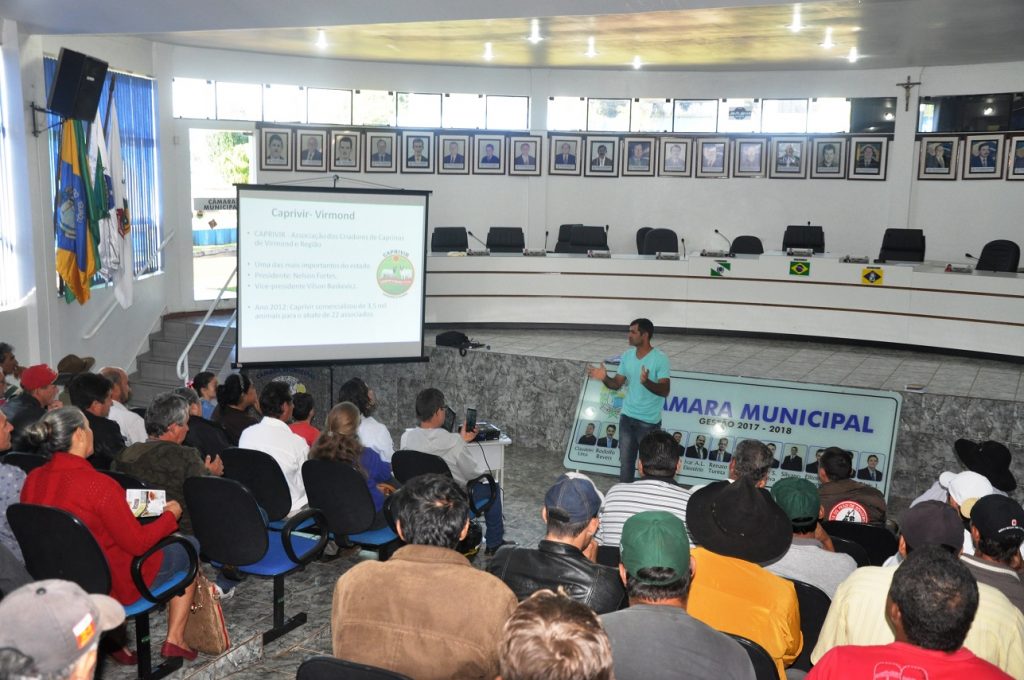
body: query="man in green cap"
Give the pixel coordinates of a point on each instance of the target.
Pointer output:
(655, 638)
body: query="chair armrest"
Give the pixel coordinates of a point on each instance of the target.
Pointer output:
(193, 567)
(293, 524)
(492, 492)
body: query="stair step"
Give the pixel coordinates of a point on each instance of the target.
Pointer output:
(163, 349)
(183, 329)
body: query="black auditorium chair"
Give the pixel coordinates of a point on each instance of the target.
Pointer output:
(879, 543)
(583, 238)
(660, 241)
(804, 236)
(999, 256)
(330, 668)
(902, 245)
(854, 550)
(564, 232)
(261, 474)
(746, 245)
(505, 240)
(762, 661)
(641, 234)
(406, 464)
(814, 604)
(126, 480)
(449, 239)
(26, 461)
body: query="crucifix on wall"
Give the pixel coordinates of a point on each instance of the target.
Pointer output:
(907, 87)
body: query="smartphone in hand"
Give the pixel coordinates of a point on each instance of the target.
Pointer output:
(449, 419)
(470, 419)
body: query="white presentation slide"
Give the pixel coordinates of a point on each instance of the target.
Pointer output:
(330, 274)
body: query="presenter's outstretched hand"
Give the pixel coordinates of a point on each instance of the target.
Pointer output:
(643, 374)
(597, 372)
(468, 436)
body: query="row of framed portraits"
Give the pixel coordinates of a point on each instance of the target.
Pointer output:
(976, 157)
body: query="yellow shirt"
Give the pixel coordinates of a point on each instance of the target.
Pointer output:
(739, 597)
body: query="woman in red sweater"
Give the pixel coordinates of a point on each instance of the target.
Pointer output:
(70, 483)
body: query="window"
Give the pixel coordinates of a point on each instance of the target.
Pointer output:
(996, 112)
(608, 115)
(8, 259)
(695, 115)
(508, 113)
(463, 111)
(284, 104)
(373, 107)
(873, 114)
(329, 107)
(567, 113)
(784, 115)
(193, 98)
(829, 114)
(239, 101)
(739, 115)
(651, 115)
(419, 110)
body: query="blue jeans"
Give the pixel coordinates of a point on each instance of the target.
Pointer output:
(175, 560)
(631, 431)
(495, 532)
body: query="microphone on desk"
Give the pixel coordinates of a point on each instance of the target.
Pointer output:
(971, 257)
(476, 239)
(727, 239)
(682, 242)
(545, 239)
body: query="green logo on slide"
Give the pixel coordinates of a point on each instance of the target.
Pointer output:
(395, 275)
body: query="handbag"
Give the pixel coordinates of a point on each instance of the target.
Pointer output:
(205, 630)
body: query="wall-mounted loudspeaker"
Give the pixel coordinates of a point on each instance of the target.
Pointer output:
(77, 88)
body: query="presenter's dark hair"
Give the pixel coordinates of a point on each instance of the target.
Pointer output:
(427, 403)
(85, 388)
(752, 459)
(357, 391)
(230, 393)
(273, 397)
(303, 405)
(202, 380)
(432, 510)
(937, 597)
(644, 326)
(659, 454)
(837, 463)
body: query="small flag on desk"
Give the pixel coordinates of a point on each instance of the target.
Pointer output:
(721, 267)
(871, 276)
(799, 268)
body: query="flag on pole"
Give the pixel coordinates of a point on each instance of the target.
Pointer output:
(77, 254)
(102, 199)
(119, 258)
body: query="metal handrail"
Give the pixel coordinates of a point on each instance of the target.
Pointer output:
(220, 340)
(182, 365)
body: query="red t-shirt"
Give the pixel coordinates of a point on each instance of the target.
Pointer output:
(306, 431)
(902, 661)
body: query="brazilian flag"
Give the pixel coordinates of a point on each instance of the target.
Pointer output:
(799, 268)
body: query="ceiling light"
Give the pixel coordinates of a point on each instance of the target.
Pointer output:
(988, 111)
(321, 39)
(889, 116)
(827, 42)
(591, 52)
(797, 25)
(488, 52)
(853, 56)
(637, 62)
(535, 32)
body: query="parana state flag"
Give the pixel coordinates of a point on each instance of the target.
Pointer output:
(77, 255)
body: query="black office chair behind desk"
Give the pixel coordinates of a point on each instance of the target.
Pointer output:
(641, 234)
(562, 245)
(449, 239)
(660, 241)
(506, 240)
(902, 245)
(746, 245)
(583, 238)
(804, 236)
(999, 256)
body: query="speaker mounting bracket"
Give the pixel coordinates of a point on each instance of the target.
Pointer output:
(35, 124)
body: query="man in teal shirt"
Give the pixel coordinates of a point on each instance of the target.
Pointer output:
(645, 373)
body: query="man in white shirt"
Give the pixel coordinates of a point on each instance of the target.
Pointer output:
(372, 433)
(273, 436)
(133, 427)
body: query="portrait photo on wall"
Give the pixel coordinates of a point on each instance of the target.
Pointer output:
(564, 155)
(417, 152)
(524, 151)
(275, 148)
(983, 157)
(788, 158)
(601, 157)
(381, 152)
(309, 149)
(711, 157)
(748, 157)
(638, 159)
(871, 468)
(937, 158)
(346, 150)
(867, 158)
(489, 155)
(1016, 165)
(674, 157)
(453, 151)
(829, 158)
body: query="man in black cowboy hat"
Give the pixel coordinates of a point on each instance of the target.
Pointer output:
(990, 459)
(739, 527)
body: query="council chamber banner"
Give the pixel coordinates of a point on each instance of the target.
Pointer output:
(709, 415)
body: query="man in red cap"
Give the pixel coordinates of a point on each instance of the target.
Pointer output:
(39, 394)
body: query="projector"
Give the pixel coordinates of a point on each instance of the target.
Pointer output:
(487, 432)
(800, 252)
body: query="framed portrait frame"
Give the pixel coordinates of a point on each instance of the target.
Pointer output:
(382, 151)
(828, 158)
(983, 157)
(493, 164)
(788, 158)
(711, 158)
(311, 150)
(1015, 164)
(642, 165)
(418, 152)
(561, 163)
(518, 164)
(674, 157)
(863, 164)
(280, 156)
(938, 157)
(346, 151)
(748, 156)
(457, 164)
(597, 164)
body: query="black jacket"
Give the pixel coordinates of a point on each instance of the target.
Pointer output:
(207, 436)
(553, 564)
(22, 411)
(107, 441)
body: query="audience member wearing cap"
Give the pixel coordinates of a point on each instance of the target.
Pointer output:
(962, 491)
(90, 392)
(931, 604)
(67, 368)
(844, 498)
(739, 527)
(39, 394)
(52, 629)
(809, 558)
(133, 427)
(997, 530)
(553, 637)
(655, 638)
(9, 369)
(655, 490)
(68, 482)
(857, 614)
(564, 559)
(990, 459)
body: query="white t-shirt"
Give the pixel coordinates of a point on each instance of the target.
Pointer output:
(375, 435)
(275, 438)
(133, 427)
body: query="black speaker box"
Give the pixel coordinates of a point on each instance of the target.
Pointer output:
(77, 88)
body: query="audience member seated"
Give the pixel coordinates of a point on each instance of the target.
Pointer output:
(658, 464)
(303, 411)
(9, 370)
(91, 393)
(857, 614)
(208, 437)
(133, 427)
(426, 612)
(12, 478)
(162, 461)
(38, 394)
(810, 557)
(655, 638)
(272, 436)
(739, 527)
(431, 437)
(989, 458)
(237, 406)
(844, 498)
(552, 637)
(372, 432)
(12, 574)
(997, 530)
(565, 558)
(752, 460)
(339, 441)
(51, 629)
(930, 606)
(205, 384)
(68, 482)
(68, 367)
(964, 490)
